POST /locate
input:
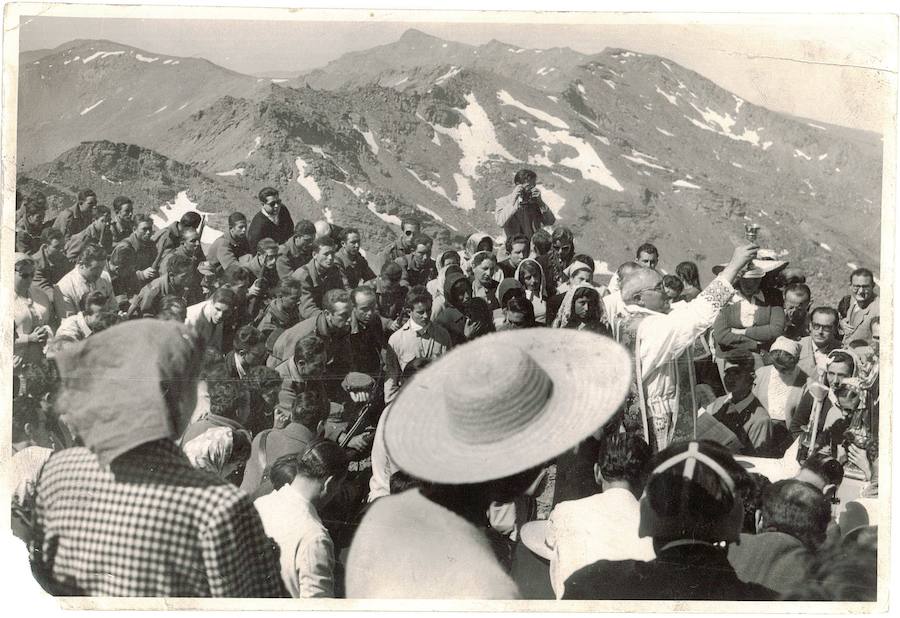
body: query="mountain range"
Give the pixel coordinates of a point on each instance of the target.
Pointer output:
(628, 148)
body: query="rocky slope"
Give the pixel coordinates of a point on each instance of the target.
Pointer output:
(628, 148)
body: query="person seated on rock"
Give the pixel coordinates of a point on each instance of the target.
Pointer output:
(410, 227)
(50, 262)
(282, 312)
(272, 221)
(122, 223)
(296, 250)
(138, 250)
(354, 268)
(418, 267)
(96, 233)
(232, 245)
(169, 238)
(30, 224)
(790, 529)
(317, 277)
(178, 281)
(74, 219)
(88, 275)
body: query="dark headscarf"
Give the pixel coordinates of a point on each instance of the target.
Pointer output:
(120, 387)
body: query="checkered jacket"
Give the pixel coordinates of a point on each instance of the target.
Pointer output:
(151, 525)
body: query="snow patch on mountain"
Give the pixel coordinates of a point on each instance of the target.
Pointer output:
(824, 246)
(561, 177)
(553, 200)
(465, 197)
(307, 181)
(433, 186)
(141, 58)
(329, 217)
(641, 161)
(278, 81)
(737, 165)
(581, 89)
(738, 103)
(816, 126)
(545, 70)
(666, 64)
(801, 154)
(766, 145)
(664, 132)
(822, 157)
(476, 139)
(256, 142)
(669, 97)
(507, 99)
(163, 108)
(389, 219)
(722, 124)
(71, 60)
(553, 98)
(453, 71)
(101, 54)
(610, 83)
(87, 109)
(370, 139)
(173, 211)
(235, 172)
(586, 161)
(685, 184)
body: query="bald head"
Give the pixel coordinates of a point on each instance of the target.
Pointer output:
(626, 268)
(323, 228)
(637, 280)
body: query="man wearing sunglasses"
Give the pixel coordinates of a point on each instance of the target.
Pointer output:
(658, 338)
(272, 221)
(822, 339)
(406, 244)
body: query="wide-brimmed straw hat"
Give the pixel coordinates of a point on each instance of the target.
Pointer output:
(534, 535)
(505, 403)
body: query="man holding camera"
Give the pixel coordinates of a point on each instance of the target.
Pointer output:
(528, 212)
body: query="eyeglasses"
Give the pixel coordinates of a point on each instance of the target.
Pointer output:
(817, 326)
(659, 287)
(862, 287)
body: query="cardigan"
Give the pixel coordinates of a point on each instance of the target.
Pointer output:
(768, 324)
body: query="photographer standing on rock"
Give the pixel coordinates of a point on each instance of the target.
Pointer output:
(528, 213)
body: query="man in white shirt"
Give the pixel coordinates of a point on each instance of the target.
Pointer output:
(659, 338)
(87, 276)
(603, 526)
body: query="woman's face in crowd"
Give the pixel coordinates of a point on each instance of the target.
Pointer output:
(529, 281)
(837, 372)
(784, 364)
(484, 271)
(750, 286)
(581, 276)
(581, 307)
(460, 293)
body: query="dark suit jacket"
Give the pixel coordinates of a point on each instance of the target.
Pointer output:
(313, 285)
(768, 325)
(262, 227)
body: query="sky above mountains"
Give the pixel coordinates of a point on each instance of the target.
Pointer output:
(823, 68)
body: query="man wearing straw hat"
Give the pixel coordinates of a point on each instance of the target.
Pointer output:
(477, 426)
(659, 338)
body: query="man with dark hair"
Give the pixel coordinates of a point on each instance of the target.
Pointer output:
(518, 248)
(189, 248)
(96, 233)
(272, 221)
(797, 297)
(176, 281)
(232, 245)
(857, 309)
(740, 411)
(262, 265)
(317, 277)
(603, 526)
(282, 311)
(403, 246)
(790, 528)
(50, 262)
(647, 256)
(75, 218)
(87, 276)
(390, 291)
(122, 222)
(30, 224)
(248, 350)
(527, 213)
(296, 250)
(210, 319)
(418, 267)
(822, 339)
(169, 238)
(138, 250)
(354, 268)
(93, 313)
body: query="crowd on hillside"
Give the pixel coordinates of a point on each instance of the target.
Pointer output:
(269, 416)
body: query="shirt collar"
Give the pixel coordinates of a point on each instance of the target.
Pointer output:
(743, 403)
(273, 219)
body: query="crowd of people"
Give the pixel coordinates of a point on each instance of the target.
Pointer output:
(269, 416)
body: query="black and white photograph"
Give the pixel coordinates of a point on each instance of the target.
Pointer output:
(497, 310)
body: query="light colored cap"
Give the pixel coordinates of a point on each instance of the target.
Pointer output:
(787, 345)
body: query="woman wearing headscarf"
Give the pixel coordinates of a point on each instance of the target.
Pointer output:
(437, 291)
(118, 514)
(220, 450)
(581, 309)
(459, 313)
(531, 275)
(435, 287)
(33, 314)
(304, 483)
